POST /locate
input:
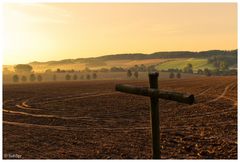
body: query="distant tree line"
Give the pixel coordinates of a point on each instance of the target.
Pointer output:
(23, 78)
(139, 68)
(101, 61)
(220, 69)
(187, 69)
(75, 77)
(33, 77)
(217, 72)
(223, 62)
(189, 54)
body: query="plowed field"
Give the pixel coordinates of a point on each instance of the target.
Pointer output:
(90, 120)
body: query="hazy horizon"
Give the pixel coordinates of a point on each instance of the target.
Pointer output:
(108, 55)
(44, 32)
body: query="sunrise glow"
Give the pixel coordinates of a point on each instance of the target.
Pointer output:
(43, 32)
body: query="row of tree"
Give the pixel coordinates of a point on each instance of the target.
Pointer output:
(139, 68)
(187, 69)
(23, 78)
(217, 72)
(16, 78)
(75, 77)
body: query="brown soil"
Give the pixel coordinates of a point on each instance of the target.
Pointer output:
(89, 120)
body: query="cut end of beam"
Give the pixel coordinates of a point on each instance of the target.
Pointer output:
(191, 99)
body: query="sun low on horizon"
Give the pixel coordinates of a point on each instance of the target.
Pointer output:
(55, 31)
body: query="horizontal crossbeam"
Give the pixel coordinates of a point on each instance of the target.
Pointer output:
(167, 95)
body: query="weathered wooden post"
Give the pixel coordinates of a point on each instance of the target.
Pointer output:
(153, 80)
(154, 93)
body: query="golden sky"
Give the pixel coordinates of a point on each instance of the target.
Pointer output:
(55, 31)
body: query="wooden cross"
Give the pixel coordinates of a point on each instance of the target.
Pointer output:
(154, 93)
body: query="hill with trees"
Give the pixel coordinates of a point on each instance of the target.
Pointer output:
(140, 56)
(212, 59)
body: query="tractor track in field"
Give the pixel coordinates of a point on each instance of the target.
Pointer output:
(217, 112)
(203, 92)
(214, 113)
(42, 115)
(230, 86)
(87, 95)
(234, 101)
(108, 118)
(223, 94)
(24, 105)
